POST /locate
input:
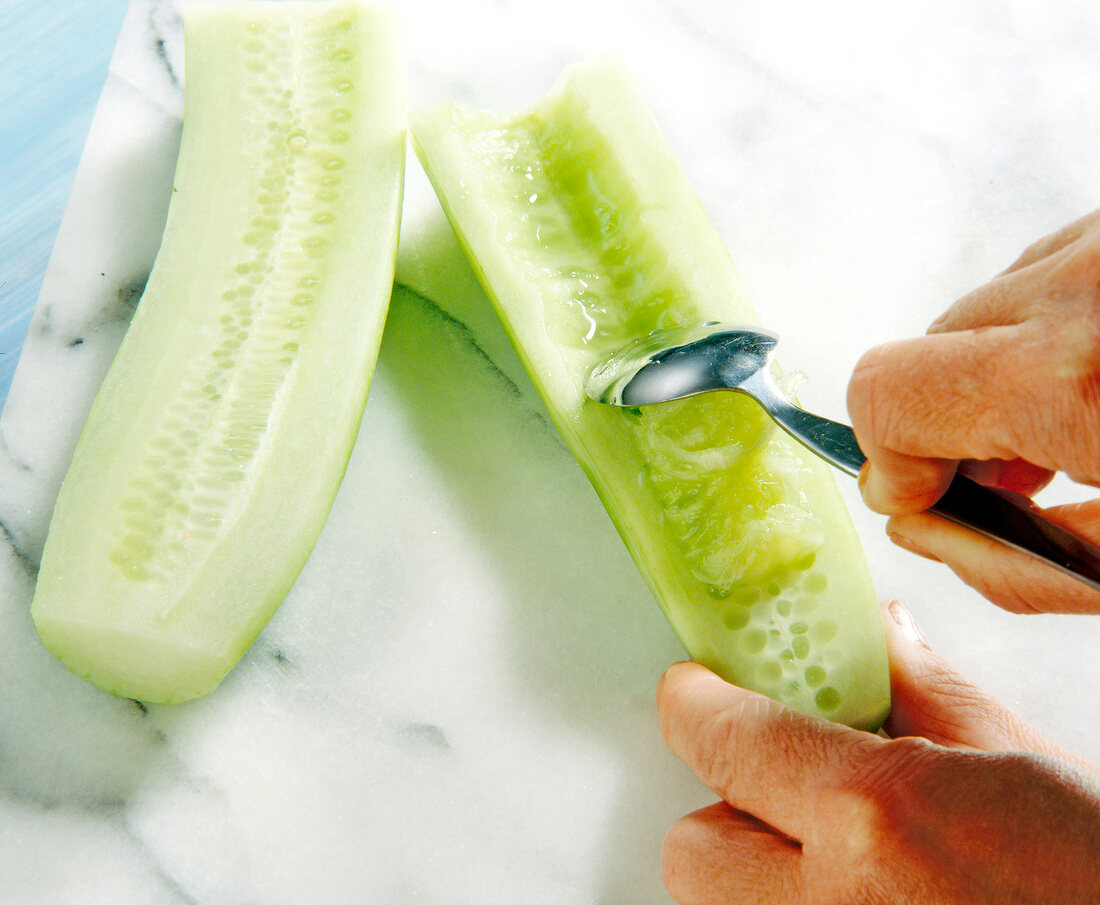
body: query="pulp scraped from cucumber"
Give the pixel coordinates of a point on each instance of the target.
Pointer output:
(586, 235)
(216, 444)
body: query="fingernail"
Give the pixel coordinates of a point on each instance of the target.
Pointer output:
(939, 324)
(663, 680)
(870, 487)
(899, 612)
(906, 543)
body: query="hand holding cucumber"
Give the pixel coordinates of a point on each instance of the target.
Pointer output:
(966, 804)
(1003, 387)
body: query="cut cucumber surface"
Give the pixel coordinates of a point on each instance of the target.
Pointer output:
(586, 235)
(216, 444)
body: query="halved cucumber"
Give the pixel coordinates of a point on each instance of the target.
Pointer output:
(586, 235)
(215, 447)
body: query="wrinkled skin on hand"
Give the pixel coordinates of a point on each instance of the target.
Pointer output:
(965, 804)
(1005, 386)
(962, 803)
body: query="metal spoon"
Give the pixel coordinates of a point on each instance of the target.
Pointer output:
(685, 361)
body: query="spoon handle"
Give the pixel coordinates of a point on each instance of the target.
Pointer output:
(833, 441)
(1014, 521)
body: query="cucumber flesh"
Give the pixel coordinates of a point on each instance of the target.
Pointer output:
(215, 446)
(586, 235)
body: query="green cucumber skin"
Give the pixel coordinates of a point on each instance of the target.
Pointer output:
(277, 257)
(600, 97)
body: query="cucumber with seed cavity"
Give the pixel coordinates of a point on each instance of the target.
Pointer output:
(214, 449)
(586, 235)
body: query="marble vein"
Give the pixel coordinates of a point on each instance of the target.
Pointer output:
(466, 334)
(27, 561)
(149, 57)
(176, 891)
(454, 705)
(7, 454)
(165, 26)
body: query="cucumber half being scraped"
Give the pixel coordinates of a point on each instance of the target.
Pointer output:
(215, 447)
(586, 235)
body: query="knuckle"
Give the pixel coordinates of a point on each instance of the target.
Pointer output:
(715, 738)
(1082, 262)
(864, 393)
(886, 790)
(891, 401)
(1036, 251)
(880, 790)
(721, 735)
(1078, 363)
(887, 767)
(1005, 583)
(881, 401)
(960, 707)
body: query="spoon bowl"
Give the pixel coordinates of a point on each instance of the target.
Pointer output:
(703, 358)
(684, 361)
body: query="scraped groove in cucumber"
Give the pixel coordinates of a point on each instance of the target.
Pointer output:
(580, 231)
(217, 442)
(587, 236)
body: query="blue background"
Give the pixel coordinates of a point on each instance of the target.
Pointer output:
(53, 60)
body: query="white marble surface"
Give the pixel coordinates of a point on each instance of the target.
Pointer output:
(455, 703)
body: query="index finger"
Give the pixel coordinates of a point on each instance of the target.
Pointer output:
(919, 406)
(763, 758)
(946, 395)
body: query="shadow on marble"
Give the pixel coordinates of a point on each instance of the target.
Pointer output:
(583, 638)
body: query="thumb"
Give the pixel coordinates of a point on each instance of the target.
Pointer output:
(931, 699)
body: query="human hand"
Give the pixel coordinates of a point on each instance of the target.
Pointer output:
(966, 804)
(1006, 388)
